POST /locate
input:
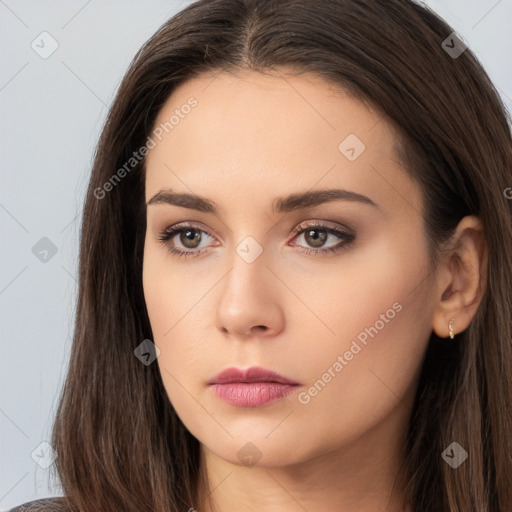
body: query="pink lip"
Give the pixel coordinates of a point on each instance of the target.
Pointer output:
(252, 387)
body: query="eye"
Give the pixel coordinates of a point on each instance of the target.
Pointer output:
(316, 234)
(190, 238)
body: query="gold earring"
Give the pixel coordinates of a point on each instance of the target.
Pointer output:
(450, 327)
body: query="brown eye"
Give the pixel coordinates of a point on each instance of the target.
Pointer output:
(185, 240)
(190, 238)
(179, 238)
(316, 235)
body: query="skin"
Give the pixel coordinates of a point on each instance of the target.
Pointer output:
(251, 138)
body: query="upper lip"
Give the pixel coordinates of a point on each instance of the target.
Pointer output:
(253, 374)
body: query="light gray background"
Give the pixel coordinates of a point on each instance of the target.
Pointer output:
(52, 111)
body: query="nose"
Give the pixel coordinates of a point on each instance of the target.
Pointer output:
(250, 304)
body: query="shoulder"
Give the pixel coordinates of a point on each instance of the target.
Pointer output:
(43, 505)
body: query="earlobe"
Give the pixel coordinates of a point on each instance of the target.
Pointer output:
(462, 278)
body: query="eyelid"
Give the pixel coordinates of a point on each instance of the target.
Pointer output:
(322, 224)
(171, 231)
(185, 225)
(300, 227)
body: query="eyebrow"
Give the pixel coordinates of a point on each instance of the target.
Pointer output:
(282, 204)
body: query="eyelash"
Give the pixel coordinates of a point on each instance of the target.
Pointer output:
(168, 233)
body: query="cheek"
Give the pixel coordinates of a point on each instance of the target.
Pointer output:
(370, 293)
(174, 304)
(176, 358)
(368, 364)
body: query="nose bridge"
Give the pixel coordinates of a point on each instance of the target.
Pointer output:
(247, 298)
(248, 268)
(250, 247)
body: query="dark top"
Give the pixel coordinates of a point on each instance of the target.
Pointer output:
(43, 505)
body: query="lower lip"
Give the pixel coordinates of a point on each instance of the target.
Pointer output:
(252, 394)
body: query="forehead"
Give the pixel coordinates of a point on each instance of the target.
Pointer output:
(264, 104)
(253, 133)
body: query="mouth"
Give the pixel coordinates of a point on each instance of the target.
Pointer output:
(252, 387)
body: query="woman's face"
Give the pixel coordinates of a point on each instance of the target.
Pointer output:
(332, 291)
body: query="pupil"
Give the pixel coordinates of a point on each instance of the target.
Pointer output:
(190, 235)
(319, 239)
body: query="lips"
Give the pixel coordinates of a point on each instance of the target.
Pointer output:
(253, 387)
(253, 374)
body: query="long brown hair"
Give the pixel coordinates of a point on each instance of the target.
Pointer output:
(120, 444)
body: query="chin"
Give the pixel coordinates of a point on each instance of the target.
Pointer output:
(261, 451)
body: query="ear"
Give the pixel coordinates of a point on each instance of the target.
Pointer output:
(461, 277)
